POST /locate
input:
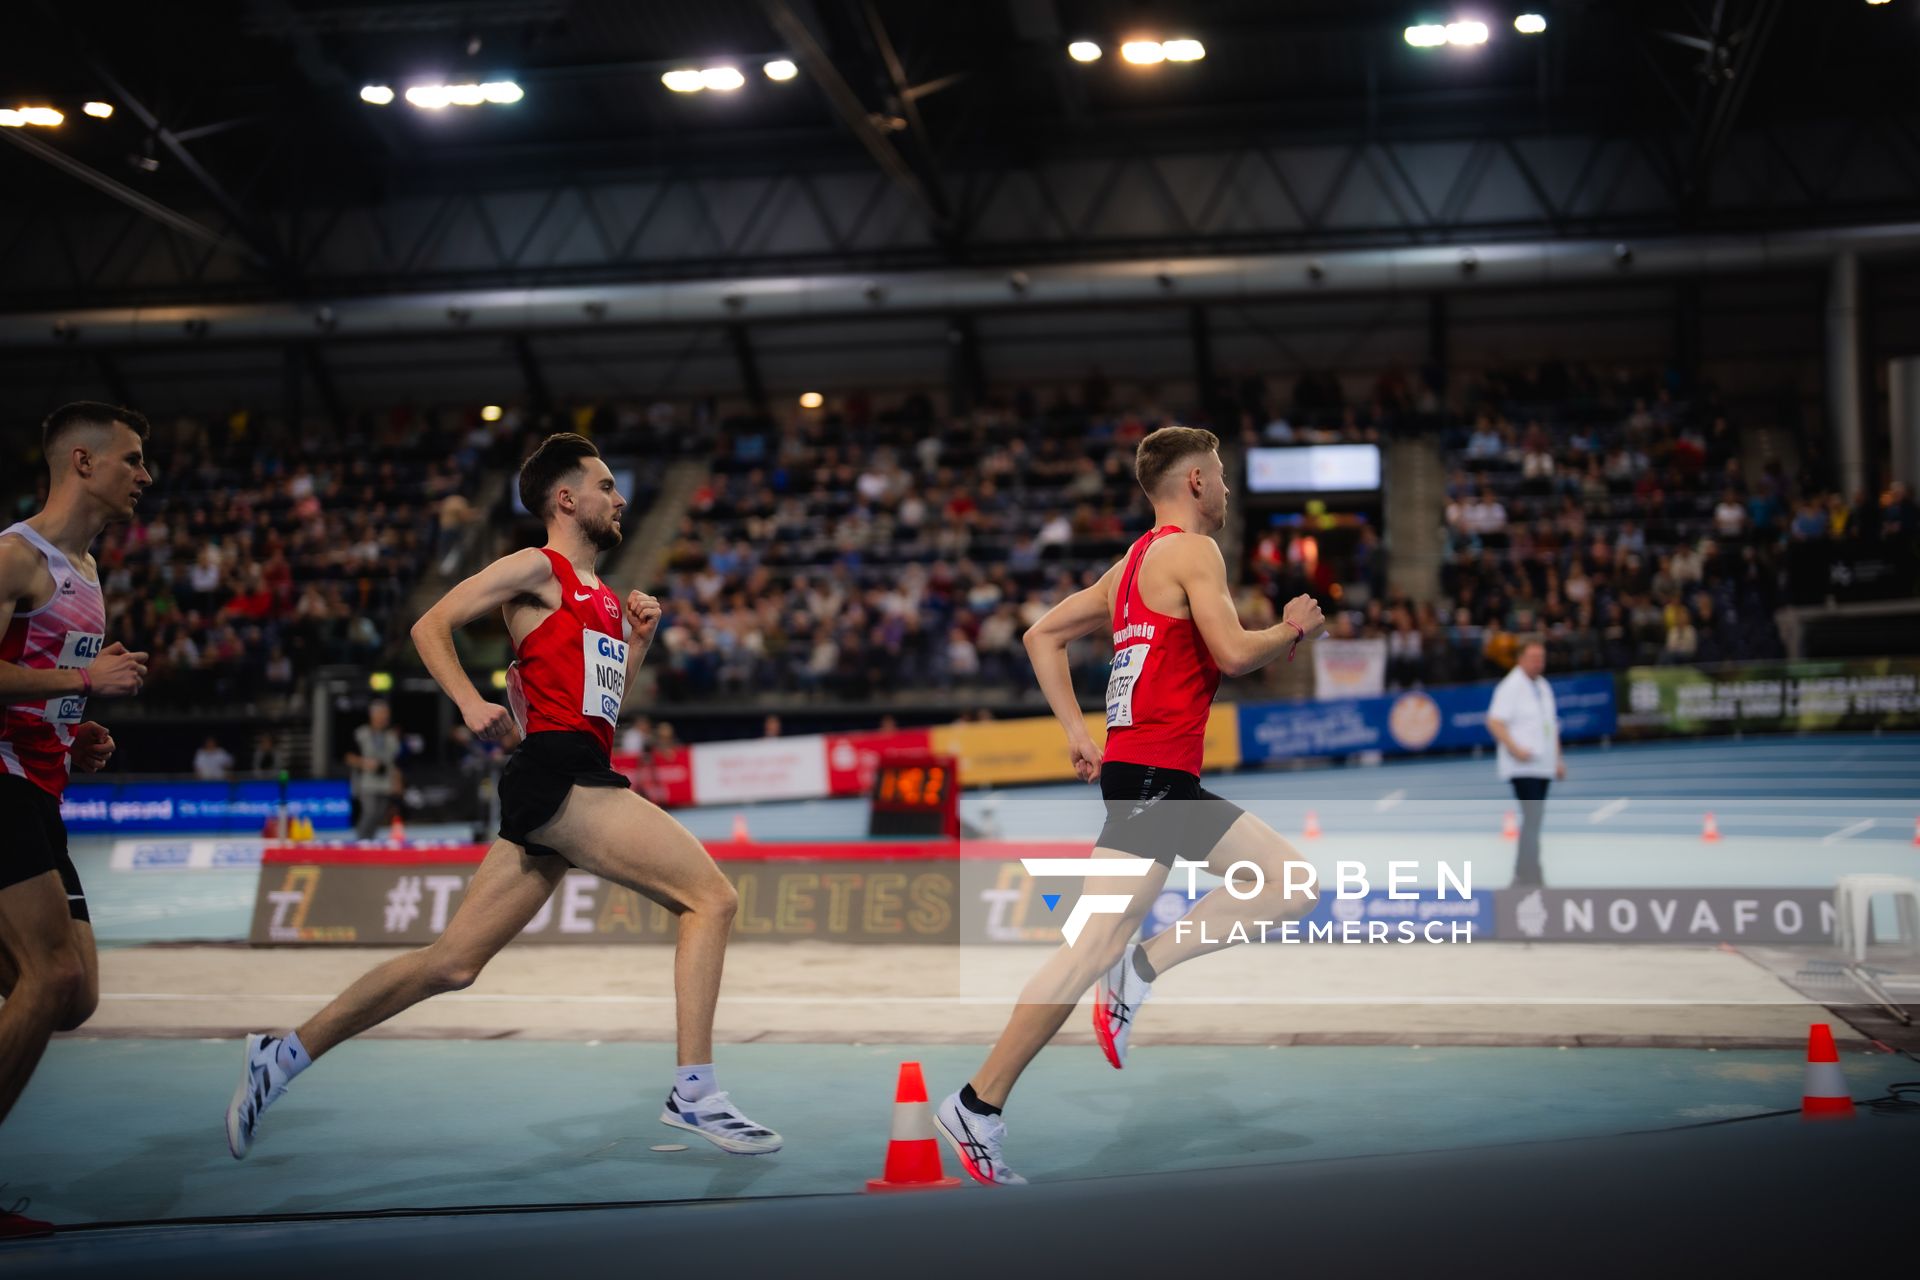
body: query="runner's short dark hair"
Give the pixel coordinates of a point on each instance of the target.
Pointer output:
(86, 413)
(558, 457)
(1160, 451)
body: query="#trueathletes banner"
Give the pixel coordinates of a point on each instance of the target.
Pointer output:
(1411, 722)
(841, 893)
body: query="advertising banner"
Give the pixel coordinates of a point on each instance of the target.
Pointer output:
(854, 758)
(858, 892)
(1349, 668)
(1841, 693)
(1666, 915)
(186, 855)
(126, 808)
(760, 769)
(1032, 749)
(1440, 719)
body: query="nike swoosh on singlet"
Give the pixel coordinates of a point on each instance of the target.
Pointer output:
(583, 595)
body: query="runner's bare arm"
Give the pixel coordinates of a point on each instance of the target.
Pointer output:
(523, 573)
(1201, 571)
(643, 622)
(115, 672)
(1080, 614)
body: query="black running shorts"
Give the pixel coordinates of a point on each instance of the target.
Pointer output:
(1161, 813)
(540, 773)
(33, 841)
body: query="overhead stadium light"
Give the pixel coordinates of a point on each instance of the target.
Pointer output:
(42, 117)
(811, 399)
(435, 97)
(780, 69)
(1184, 50)
(99, 110)
(1084, 51)
(722, 79)
(1143, 53)
(377, 94)
(683, 80)
(1530, 24)
(1427, 35)
(1466, 33)
(490, 413)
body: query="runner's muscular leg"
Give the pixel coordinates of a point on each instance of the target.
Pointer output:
(622, 837)
(52, 976)
(1050, 996)
(505, 893)
(88, 997)
(1249, 839)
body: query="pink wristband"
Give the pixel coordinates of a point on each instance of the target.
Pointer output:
(1298, 636)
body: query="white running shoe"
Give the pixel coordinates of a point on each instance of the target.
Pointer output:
(716, 1119)
(1116, 1002)
(976, 1140)
(261, 1082)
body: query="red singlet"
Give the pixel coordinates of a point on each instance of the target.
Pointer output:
(1163, 679)
(66, 631)
(570, 673)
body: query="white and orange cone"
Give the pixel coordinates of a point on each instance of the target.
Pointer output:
(1312, 830)
(1710, 829)
(740, 835)
(398, 832)
(1825, 1096)
(1510, 827)
(1916, 833)
(913, 1152)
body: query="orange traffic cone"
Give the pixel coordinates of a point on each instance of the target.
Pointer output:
(1710, 830)
(1825, 1095)
(397, 833)
(913, 1151)
(1510, 827)
(1312, 830)
(740, 835)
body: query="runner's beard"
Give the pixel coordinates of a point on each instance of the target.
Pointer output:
(605, 536)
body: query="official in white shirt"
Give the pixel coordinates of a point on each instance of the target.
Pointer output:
(1525, 722)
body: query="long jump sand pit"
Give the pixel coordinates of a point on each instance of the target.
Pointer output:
(1484, 994)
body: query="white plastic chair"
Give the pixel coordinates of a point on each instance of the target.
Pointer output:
(1853, 912)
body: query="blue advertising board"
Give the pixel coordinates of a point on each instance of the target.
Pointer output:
(119, 808)
(1451, 718)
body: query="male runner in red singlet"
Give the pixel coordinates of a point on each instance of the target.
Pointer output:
(52, 657)
(561, 804)
(1175, 630)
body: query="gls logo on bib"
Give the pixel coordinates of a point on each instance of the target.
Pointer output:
(79, 649)
(603, 682)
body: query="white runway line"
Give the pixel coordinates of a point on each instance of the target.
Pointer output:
(1389, 800)
(1844, 832)
(843, 1001)
(1607, 810)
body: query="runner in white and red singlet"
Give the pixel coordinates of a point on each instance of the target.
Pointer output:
(1175, 631)
(577, 646)
(53, 658)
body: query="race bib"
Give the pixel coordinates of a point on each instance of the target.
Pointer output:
(79, 650)
(603, 684)
(1128, 663)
